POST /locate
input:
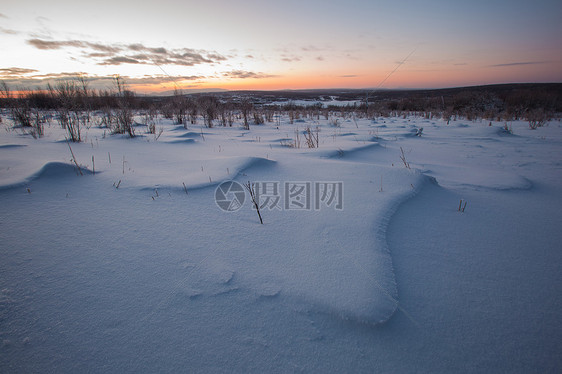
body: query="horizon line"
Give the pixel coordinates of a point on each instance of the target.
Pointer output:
(373, 89)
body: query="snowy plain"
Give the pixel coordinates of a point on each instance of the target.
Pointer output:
(133, 267)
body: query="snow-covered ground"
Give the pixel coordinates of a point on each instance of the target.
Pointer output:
(362, 264)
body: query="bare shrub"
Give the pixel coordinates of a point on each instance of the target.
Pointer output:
(537, 118)
(312, 137)
(179, 107)
(20, 110)
(334, 122)
(124, 113)
(37, 126)
(245, 107)
(258, 118)
(67, 96)
(149, 116)
(208, 106)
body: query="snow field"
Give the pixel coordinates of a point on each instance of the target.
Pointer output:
(137, 260)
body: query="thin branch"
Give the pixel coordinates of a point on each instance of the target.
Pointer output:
(251, 189)
(74, 157)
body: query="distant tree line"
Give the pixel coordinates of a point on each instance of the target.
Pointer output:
(74, 101)
(501, 103)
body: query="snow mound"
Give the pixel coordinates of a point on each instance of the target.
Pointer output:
(59, 170)
(7, 146)
(51, 170)
(478, 178)
(354, 154)
(190, 135)
(184, 141)
(195, 175)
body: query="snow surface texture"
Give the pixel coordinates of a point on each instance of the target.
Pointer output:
(132, 267)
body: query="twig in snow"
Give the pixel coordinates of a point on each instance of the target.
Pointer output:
(74, 158)
(403, 158)
(461, 206)
(251, 189)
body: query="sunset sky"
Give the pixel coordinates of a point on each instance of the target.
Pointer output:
(259, 44)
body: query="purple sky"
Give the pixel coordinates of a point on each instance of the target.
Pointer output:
(160, 45)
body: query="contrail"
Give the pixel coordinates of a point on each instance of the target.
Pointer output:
(396, 68)
(164, 71)
(389, 74)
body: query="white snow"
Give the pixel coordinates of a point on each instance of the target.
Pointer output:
(132, 267)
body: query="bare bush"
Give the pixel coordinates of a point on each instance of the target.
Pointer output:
(208, 106)
(149, 117)
(537, 118)
(245, 107)
(20, 108)
(334, 122)
(67, 96)
(124, 113)
(258, 118)
(179, 107)
(312, 137)
(37, 127)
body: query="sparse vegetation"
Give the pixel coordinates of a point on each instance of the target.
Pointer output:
(245, 107)
(68, 97)
(537, 118)
(124, 113)
(23, 112)
(312, 137)
(75, 104)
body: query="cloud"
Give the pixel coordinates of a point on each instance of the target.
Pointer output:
(25, 79)
(518, 64)
(119, 60)
(118, 54)
(54, 44)
(101, 47)
(351, 56)
(159, 79)
(162, 56)
(48, 44)
(141, 48)
(348, 76)
(15, 72)
(311, 48)
(61, 75)
(290, 58)
(320, 58)
(8, 31)
(2, 15)
(242, 74)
